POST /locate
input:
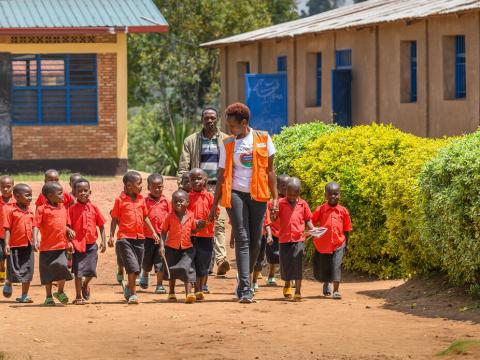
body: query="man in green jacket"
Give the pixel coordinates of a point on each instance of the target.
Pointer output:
(201, 150)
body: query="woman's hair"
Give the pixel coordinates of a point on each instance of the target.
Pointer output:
(238, 111)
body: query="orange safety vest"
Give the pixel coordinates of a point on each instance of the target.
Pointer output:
(259, 189)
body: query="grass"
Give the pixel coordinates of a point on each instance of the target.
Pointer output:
(64, 177)
(460, 347)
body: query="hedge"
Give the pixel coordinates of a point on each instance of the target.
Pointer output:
(377, 167)
(450, 200)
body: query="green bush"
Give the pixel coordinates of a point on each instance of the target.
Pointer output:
(450, 194)
(377, 167)
(291, 143)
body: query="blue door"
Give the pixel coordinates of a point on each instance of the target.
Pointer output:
(342, 96)
(266, 96)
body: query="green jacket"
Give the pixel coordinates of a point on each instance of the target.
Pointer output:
(192, 146)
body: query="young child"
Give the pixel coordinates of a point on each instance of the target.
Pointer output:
(200, 203)
(266, 237)
(51, 221)
(130, 214)
(53, 176)
(293, 213)
(84, 220)
(185, 184)
(333, 245)
(177, 246)
(6, 201)
(18, 225)
(158, 208)
(271, 249)
(73, 179)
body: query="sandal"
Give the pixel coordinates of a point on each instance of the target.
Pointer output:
(24, 299)
(143, 282)
(126, 292)
(160, 290)
(49, 302)
(3, 277)
(199, 296)
(7, 290)
(120, 278)
(271, 281)
(337, 295)
(62, 297)
(172, 298)
(287, 292)
(190, 299)
(297, 298)
(78, 302)
(86, 292)
(133, 300)
(326, 289)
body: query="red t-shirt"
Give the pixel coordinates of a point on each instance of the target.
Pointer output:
(292, 220)
(131, 216)
(179, 235)
(274, 225)
(20, 224)
(3, 208)
(158, 210)
(84, 219)
(337, 221)
(68, 200)
(52, 222)
(200, 205)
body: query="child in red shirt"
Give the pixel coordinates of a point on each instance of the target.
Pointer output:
(51, 221)
(158, 208)
(130, 214)
(73, 179)
(177, 246)
(293, 213)
(330, 248)
(6, 201)
(185, 183)
(200, 203)
(18, 225)
(52, 175)
(84, 219)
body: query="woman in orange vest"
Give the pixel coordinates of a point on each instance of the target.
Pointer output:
(246, 182)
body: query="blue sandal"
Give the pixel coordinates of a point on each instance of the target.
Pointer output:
(160, 290)
(7, 290)
(326, 289)
(126, 292)
(24, 299)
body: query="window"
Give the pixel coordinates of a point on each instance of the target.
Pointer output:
(243, 68)
(313, 79)
(408, 71)
(460, 73)
(54, 89)
(281, 64)
(343, 59)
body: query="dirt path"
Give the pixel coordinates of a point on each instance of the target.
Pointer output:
(375, 320)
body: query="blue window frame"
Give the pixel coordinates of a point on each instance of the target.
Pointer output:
(281, 64)
(460, 70)
(54, 89)
(318, 99)
(413, 71)
(343, 59)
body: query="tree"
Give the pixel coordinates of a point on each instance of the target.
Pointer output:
(318, 6)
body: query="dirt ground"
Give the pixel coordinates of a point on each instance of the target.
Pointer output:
(375, 320)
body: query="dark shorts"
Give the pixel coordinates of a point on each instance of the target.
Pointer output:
(117, 253)
(181, 263)
(272, 252)
(20, 264)
(2, 250)
(203, 254)
(291, 260)
(130, 252)
(261, 255)
(53, 266)
(85, 264)
(328, 267)
(152, 257)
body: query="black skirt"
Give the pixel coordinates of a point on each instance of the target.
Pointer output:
(20, 264)
(181, 264)
(328, 267)
(53, 266)
(85, 264)
(291, 260)
(203, 254)
(130, 252)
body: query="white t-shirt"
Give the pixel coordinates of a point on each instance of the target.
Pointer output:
(242, 161)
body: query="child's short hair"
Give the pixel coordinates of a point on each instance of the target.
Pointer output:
(131, 176)
(331, 186)
(5, 177)
(79, 181)
(75, 175)
(180, 192)
(50, 187)
(293, 181)
(51, 171)
(21, 188)
(154, 177)
(194, 170)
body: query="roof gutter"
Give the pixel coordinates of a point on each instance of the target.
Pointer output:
(84, 30)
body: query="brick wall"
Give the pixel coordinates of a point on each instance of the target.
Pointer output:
(76, 141)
